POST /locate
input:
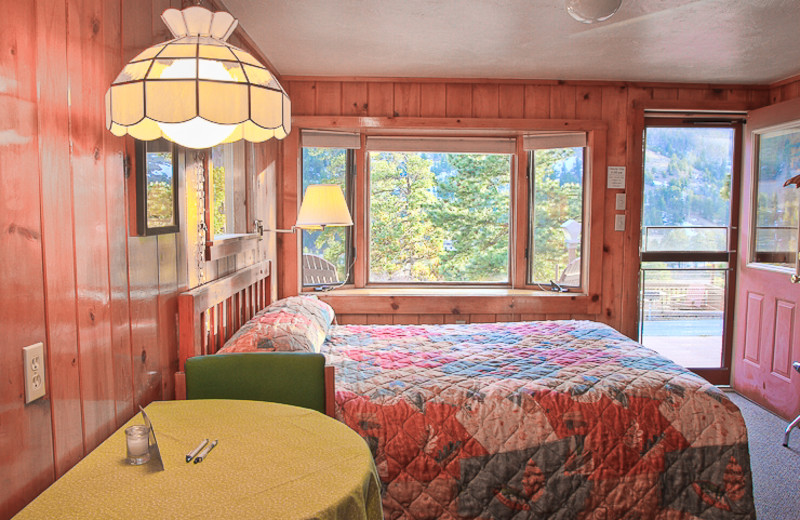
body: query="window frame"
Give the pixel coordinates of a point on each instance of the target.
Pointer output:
(519, 297)
(585, 211)
(142, 227)
(229, 244)
(349, 243)
(754, 258)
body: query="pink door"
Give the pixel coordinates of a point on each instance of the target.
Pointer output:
(767, 332)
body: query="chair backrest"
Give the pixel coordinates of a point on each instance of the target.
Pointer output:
(317, 270)
(296, 378)
(571, 275)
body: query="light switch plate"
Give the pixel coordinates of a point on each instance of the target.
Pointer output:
(619, 222)
(620, 202)
(33, 364)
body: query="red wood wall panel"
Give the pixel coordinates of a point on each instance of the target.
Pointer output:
(511, 101)
(380, 99)
(353, 96)
(103, 303)
(57, 239)
(167, 303)
(407, 99)
(433, 99)
(302, 94)
(143, 258)
(459, 100)
(24, 429)
(537, 101)
(118, 225)
(85, 60)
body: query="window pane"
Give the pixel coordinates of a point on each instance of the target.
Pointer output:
(678, 238)
(160, 199)
(220, 205)
(557, 229)
(324, 251)
(439, 217)
(687, 177)
(777, 206)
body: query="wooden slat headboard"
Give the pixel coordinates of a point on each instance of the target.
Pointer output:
(208, 315)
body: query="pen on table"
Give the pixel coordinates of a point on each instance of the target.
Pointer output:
(204, 453)
(194, 452)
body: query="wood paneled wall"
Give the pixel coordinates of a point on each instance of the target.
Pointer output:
(785, 90)
(103, 303)
(619, 105)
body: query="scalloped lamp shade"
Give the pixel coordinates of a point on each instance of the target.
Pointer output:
(197, 90)
(323, 206)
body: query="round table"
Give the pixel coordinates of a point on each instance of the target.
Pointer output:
(272, 461)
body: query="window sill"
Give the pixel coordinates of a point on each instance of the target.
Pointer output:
(228, 245)
(458, 300)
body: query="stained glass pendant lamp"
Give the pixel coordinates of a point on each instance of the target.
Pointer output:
(197, 90)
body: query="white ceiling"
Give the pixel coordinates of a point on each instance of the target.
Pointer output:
(698, 41)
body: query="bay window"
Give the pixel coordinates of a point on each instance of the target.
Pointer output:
(514, 211)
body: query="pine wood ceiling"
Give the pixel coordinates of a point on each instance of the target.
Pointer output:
(698, 41)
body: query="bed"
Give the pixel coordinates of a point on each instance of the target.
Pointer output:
(558, 419)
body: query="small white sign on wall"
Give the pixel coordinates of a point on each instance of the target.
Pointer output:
(616, 178)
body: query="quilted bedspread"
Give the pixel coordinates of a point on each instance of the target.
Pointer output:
(557, 419)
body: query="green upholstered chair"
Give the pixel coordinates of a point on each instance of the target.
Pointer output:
(297, 378)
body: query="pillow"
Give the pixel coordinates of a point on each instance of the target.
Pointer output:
(297, 323)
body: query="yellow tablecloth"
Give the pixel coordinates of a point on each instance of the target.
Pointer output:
(273, 461)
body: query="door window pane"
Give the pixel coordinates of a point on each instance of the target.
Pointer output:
(683, 308)
(687, 184)
(557, 226)
(777, 205)
(439, 217)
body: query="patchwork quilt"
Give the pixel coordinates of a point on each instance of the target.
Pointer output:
(529, 420)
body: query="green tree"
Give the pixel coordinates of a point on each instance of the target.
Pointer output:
(219, 216)
(159, 204)
(405, 243)
(474, 215)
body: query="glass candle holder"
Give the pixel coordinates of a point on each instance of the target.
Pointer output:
(137, 440)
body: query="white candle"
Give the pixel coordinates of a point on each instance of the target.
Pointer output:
(138, 441)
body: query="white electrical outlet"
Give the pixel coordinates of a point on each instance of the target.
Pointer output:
(33, 364)
(619, 222)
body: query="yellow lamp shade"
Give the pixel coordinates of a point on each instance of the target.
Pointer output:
(197, 90)
(323, 205)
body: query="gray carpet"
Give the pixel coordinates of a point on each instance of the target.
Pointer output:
(776, 470)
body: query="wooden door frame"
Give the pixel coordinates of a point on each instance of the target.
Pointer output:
(721, 110)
